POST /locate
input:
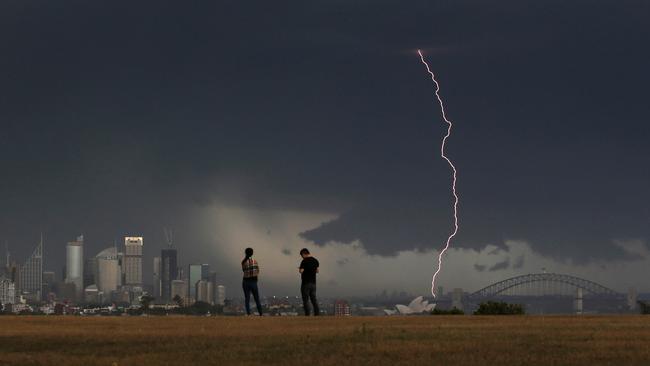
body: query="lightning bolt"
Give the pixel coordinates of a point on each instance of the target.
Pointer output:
(453, 168)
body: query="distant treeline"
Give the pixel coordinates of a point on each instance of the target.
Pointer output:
(499, 308)
(453, 311)
(486, 308)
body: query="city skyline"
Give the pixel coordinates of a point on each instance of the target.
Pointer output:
(544, 292)
(113, 275)
(232, 278)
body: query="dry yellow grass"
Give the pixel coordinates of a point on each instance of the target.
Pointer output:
(433, 340)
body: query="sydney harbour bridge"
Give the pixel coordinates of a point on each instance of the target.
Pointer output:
(549, 293)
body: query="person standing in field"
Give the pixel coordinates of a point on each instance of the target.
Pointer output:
(308, 269)
(251, 271)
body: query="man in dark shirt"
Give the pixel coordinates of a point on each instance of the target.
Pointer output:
(308, 269)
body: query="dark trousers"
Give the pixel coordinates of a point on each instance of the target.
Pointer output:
(251, 287)
(308, 291)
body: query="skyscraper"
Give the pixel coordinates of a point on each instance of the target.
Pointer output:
(204, 291)
(49, 280)
(197, 272)
(90, 272)
(169, 272)
(156, 277)
(221, 295)
(214, 282)
(194, 276)
(133, 260)
(7, 291)
(109, 275)
(74, 265)
(205, 272)
(122, 267)
(31, 274)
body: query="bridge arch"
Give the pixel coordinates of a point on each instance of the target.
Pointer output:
(500, 287)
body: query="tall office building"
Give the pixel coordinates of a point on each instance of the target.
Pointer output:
(90, 271)
(49, 281)
(168, 273)
(7, 291)
(109, 274)
(220, 295)
(213, 281)
(15, 276)
(120, 262)
(49, 278)
(7, 284)
(133, 261)
(30, 275)
(196, 273)
(13, 273)
(156, 277)
(74, 265)
(205, 272)
(204, 291)
(193, 276)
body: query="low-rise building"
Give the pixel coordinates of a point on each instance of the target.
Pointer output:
(341, 308)
(179, 288)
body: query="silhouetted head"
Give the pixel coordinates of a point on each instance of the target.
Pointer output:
(248, 254)
(304, 252)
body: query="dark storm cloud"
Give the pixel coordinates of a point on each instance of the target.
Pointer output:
(561, 232)
(117, 116)
(479, 267)
(500, 265)
(286, 251)
(545, 164)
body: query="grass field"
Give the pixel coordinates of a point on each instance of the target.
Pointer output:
(431, 340)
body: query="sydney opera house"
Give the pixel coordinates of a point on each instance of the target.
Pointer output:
(418, 306)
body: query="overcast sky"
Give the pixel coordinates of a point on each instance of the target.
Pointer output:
(279, 125)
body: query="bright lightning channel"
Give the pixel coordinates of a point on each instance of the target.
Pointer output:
(453, 168)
